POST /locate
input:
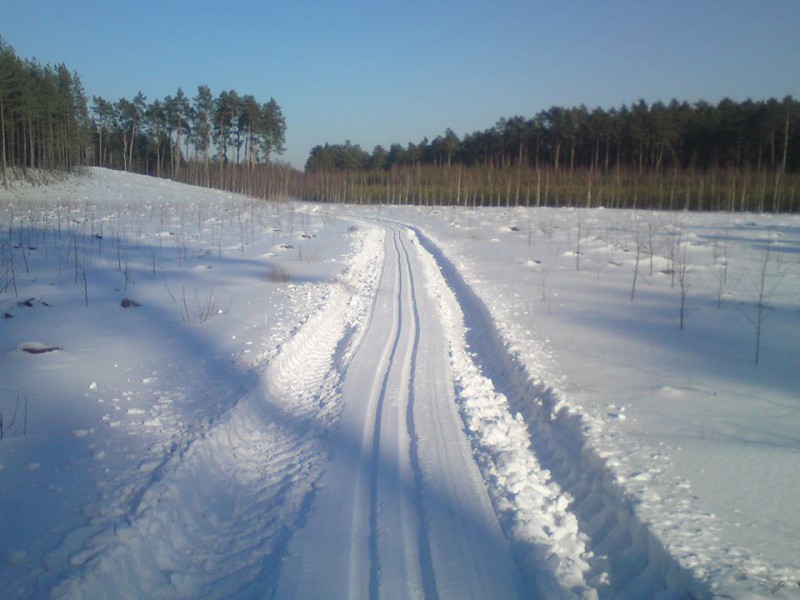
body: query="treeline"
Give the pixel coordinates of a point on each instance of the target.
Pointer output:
(740, 156)
(224, 142)
(701, 156)
(660, 136)
(44, 120)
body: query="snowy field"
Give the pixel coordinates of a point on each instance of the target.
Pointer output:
(208, 396)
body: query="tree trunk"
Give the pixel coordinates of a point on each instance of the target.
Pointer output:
(132, 142)
(125, 150)
(3, 140)
(100, 146)
(32, 144)
(786, 140)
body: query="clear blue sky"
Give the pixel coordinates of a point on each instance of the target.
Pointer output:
(380, 72)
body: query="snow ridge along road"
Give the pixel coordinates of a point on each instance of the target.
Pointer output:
(569, 515)
(401, 511)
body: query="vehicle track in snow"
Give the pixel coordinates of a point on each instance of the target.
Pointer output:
(401, 511)
(614, 554)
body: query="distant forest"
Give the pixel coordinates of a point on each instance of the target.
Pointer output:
(742, 156)
(656, 137)
(728, 156)
(44, 121)
(224, 142)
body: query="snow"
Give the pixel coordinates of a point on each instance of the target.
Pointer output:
(183, 373)
(682, 422)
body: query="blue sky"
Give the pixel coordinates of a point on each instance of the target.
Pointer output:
(384, 72)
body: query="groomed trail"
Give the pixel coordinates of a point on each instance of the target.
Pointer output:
(391, 448)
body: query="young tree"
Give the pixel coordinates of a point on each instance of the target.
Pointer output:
(682, 268)
(764, 288)
(638, 242)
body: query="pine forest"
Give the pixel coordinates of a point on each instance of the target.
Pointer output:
(732, 156)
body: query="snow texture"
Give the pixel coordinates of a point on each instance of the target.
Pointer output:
(204, 395)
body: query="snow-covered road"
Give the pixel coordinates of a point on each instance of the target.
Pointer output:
(401, 512)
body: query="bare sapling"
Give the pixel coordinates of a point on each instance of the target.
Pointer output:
(720, 286)
(671, 255)
(725, 257)
(764, 289)
(85, 287)
(185, 315)
(22, 248)
(126, 273)
(683, 280)
(530, 232)
(578, 248)
(636, 268)
(606, 258)
(12, 427)
(202, 308)
(242, 232)
(169, 291)
(721, 260)
(75, 255)
(11, 273)
(543, 279)
(638, 242)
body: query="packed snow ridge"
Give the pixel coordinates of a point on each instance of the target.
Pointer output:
(374, 402)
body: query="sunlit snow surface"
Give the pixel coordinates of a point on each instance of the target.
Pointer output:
(702, 440)
(170, 447)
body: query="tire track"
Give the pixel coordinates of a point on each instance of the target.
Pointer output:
(398, 529)
(402, 486)
(427, 572)
(375, 475)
